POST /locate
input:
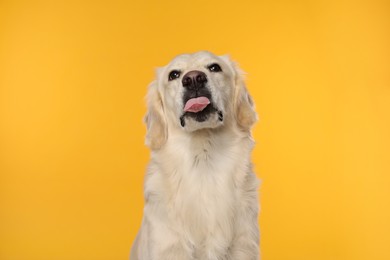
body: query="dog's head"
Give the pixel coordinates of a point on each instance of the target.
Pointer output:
(197, 91)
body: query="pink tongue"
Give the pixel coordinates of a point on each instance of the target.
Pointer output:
(196, 104)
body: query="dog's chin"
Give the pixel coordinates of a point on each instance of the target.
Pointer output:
(210, 117)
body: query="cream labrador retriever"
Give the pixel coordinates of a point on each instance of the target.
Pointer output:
(200, 191)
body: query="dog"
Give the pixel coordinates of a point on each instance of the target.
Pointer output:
(201, 199)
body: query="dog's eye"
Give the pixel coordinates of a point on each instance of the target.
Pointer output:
(214, 67)
(174, 74)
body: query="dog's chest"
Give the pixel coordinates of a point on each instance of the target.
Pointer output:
(204, 204)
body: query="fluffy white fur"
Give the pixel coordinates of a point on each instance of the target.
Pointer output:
(200, 191)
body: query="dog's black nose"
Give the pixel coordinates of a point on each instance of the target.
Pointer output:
(194, 80)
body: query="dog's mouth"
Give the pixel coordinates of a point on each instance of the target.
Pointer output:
(195, 105)
(199, 109)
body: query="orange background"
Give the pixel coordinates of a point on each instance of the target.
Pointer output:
(73, 75)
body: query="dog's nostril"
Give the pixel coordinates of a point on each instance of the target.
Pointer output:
(201, 78)
(187, 81)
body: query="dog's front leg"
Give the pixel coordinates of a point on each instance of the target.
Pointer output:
(245, 244)
(173, 252)
(166, 245)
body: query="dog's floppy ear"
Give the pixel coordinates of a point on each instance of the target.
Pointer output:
(155, 120)
(243, 105)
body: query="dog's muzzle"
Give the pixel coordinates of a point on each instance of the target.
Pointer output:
(197, 100)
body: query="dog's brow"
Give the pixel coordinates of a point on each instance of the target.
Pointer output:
(212, 62)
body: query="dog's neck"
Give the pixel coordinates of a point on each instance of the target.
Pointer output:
(204, 147)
